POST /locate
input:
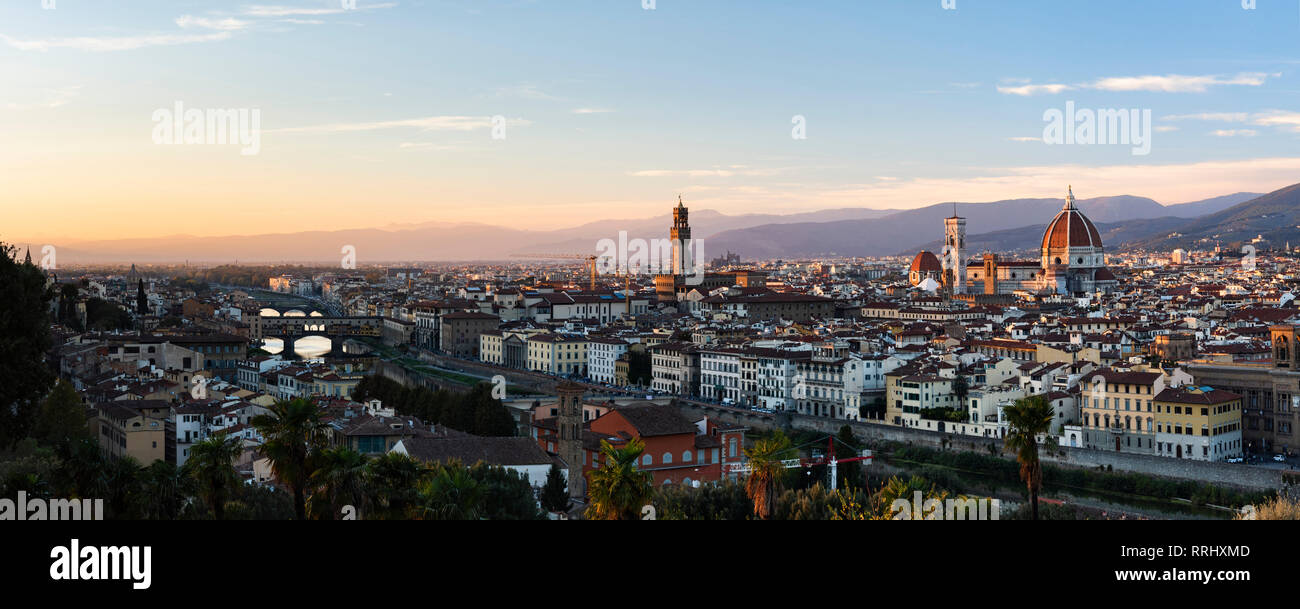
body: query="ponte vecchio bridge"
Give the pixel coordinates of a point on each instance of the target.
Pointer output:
(291, 324)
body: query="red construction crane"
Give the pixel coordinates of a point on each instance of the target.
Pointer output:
(827, 459)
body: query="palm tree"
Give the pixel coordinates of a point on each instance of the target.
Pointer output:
(765, 467)
(211, 465)
(1028, 418)
(342, 478)
(122, 475)
(395, 478)
(619, 490)
(886, 504)
(83, 472)
(166, 491)
(293, 433)
(451, 494)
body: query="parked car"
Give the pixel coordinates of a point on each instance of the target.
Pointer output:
(1280, 458)
(1235, 460)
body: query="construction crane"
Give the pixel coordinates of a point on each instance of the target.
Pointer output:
(591, 262)
(828, 459)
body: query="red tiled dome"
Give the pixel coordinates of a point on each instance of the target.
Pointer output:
(1070, 228)
(925, 262)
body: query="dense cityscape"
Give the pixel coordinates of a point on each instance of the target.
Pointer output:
(444, 265)
(850, 381)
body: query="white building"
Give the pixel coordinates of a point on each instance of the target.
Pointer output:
(602, 353)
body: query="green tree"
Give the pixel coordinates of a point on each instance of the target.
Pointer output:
(765, 468)
(211, 465)
(62, 418)
(1028, 418)
(68, 295)
(24, 341)
(395, 478)
(104, 315)
(125, 495)
(725, 500)
(293, 433)
(81, 472)
(961, 389)
(882, 504)
(451, 493)
(555, 494)
(618, 490)
(847, 446)
(341, 478)
(505, 494)
(166, 490)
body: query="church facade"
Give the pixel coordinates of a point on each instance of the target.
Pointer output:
(1072, 261)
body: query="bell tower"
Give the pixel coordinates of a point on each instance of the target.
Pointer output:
(680, 234)
(954, 253)
(568, 426)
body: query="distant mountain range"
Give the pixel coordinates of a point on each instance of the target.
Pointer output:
(909, 231)
(1000, 225)
(1274, 216)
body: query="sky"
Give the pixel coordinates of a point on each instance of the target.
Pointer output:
(547, 114)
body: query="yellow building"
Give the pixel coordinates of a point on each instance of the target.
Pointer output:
(1118, 410)
(129, 431)
(1198, 423)
(558, 354)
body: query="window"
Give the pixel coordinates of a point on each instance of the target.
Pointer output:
(668, 459)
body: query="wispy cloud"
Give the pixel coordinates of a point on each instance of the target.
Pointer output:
(108, 44)
(275, 10)
(1277, 118)
(591, 111)
(1026, 139)
(1287, 120)
(428, 123)
(718, 172)
(1234, 133)
(1231, 117)
(1027, 90)
(1168, 83)
(226, 24)
(1177, 83)
(1164, 183)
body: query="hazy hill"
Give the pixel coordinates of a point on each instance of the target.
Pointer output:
(1114, 235)
(1275, 216)
(849, 231)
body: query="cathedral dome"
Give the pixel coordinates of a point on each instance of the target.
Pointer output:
(925, 262)
(1070, 229)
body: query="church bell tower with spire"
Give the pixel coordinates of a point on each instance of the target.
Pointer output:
(954, 253)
